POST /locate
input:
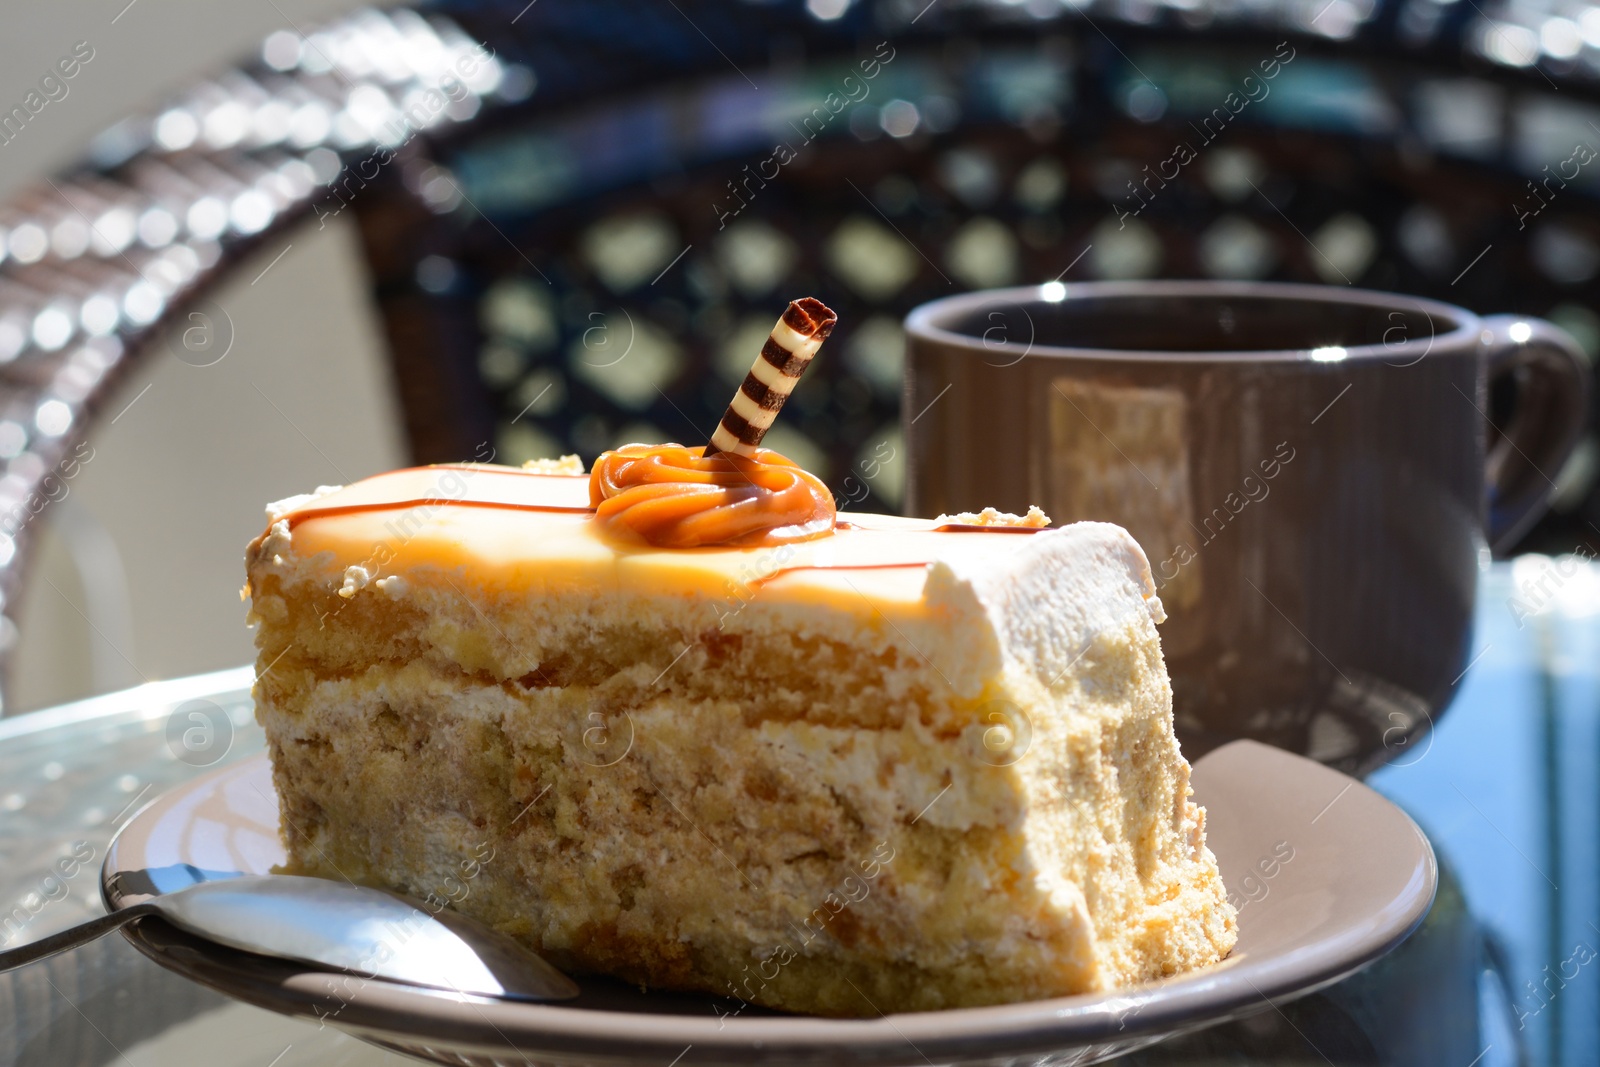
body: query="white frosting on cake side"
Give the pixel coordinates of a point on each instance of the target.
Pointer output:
(1045, 603)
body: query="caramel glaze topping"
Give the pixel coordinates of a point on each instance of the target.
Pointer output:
(401, 507)
(671, 496)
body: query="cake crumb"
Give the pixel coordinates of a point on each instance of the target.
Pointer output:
(565, 465)
(356, 578)
(394, 586)
(1034, 519)
(279, 508)
(278, 542)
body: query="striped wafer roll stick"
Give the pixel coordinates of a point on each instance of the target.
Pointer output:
(786, 355)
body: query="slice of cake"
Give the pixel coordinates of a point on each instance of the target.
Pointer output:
(856, 766)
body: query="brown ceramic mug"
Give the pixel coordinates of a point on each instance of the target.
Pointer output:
(1309, 469)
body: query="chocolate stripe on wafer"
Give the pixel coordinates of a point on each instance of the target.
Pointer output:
(766, 397)
(786, 355)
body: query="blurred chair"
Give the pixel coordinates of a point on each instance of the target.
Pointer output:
(581, 219)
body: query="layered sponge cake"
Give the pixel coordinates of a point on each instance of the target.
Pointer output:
(847, 767)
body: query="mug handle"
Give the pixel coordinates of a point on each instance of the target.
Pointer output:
(1551, 410)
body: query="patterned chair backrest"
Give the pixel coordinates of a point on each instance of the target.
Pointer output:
(600, 267)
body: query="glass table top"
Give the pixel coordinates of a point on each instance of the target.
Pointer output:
(1503, 972)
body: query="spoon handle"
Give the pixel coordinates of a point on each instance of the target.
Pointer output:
(71, 938)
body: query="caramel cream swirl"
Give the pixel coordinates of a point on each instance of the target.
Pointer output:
(676, 497)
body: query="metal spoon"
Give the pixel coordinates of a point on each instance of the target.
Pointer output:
(337, 925)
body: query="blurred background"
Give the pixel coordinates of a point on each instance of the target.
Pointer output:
(156, 521)
(253, 249)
